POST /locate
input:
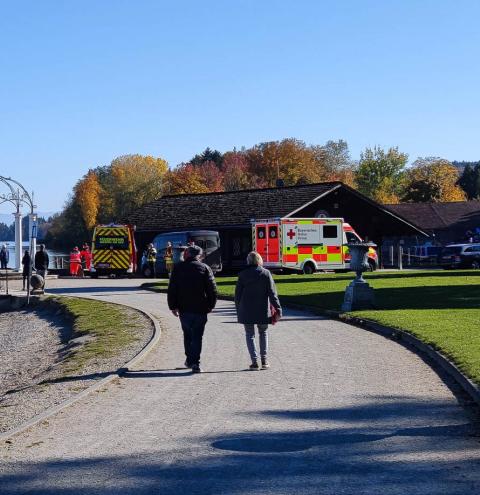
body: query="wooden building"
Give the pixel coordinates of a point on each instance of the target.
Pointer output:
(230, 213)
(445, 223)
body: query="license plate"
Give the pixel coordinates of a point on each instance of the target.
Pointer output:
(103, 265)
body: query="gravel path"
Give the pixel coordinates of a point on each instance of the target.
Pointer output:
(32, 375)
(342, 411)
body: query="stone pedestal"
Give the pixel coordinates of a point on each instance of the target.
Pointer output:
(358, 295)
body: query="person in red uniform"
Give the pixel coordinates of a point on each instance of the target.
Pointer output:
(75, 263)
(86, 256)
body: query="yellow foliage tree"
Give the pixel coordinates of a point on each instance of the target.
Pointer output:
(432, 180)
(87, 194)
(133, 180)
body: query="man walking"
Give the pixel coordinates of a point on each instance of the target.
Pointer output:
(4, 257)
(192, 294)
(41, 263)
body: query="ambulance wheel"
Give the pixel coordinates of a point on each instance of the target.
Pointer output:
(93, 275)
(308, 269)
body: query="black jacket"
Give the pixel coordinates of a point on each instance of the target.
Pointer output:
(41, 260)
(192, 288)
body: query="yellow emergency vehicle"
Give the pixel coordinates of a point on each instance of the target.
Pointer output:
(113, 250)
(305, 244)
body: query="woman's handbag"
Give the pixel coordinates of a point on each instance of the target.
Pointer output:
(275, 315)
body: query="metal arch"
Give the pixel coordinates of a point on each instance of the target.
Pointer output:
(15, 195)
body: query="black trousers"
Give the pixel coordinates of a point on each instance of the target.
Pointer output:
(193, 326)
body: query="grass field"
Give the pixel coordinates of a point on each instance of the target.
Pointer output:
(108, 325)
(442, 308)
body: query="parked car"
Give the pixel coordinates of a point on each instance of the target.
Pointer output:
(208, 240)
(460, 256)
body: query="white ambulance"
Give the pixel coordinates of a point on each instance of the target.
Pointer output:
(306, 244)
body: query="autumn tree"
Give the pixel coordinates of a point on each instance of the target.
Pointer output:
(211, 176)
(291, 160)
(131, 181)
(469, 180)
(67, 229)
(432, 180)
(380, 174)
(236, 173)
(88, 195)
(184, 179)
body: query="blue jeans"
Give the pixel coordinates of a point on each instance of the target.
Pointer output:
(193, 326)
(250, 337)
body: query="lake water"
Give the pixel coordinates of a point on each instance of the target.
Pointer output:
(26, 245)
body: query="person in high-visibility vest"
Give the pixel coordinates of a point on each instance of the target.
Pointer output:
(168, 257)
(152, 259)
(75, 263)
(86, 256)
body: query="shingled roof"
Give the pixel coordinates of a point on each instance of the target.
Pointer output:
(461, 215)
(225, 208)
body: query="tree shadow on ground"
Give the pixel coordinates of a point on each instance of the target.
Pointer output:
(410, 446)
(428, 297)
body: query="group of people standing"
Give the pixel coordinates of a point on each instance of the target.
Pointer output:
(192, 294)
(150, 258)
(80, 260)
(41, 261)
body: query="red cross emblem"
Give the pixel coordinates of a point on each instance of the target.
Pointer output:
(291, 234)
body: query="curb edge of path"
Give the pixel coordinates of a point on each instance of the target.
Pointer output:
(157, 331)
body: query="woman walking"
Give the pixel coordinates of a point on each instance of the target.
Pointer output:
(255, 294)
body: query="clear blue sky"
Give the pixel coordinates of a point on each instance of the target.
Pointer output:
(84, 82)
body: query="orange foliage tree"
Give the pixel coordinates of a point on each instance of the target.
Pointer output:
(184, 179)
(87, 194)
(291, 160)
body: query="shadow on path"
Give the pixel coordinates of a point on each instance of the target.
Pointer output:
(409, 446)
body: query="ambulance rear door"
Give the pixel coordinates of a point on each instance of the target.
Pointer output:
(267, 242)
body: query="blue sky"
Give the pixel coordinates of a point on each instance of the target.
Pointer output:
(84, 82)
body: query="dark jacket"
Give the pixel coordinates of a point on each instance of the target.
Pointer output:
(254, 293)
(192, 288)
(26, 260)
(41, 260)
(4, 255)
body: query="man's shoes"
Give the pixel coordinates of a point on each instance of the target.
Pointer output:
(187, 365)
(196, 368)
(265, 364)
(254, 366)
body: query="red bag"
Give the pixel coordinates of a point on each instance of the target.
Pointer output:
(275, 315)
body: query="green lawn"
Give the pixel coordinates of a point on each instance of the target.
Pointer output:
(108, 324)
(442, 308)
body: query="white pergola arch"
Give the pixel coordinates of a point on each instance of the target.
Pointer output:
(19, 196)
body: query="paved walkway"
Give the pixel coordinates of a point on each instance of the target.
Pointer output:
(342, 411)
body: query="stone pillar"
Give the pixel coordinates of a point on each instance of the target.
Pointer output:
(18, 241)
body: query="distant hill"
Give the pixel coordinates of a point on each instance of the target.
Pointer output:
(8, 218)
